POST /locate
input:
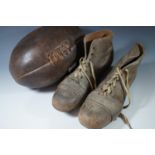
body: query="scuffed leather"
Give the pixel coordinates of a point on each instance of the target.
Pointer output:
(99, 110)
(72, 91)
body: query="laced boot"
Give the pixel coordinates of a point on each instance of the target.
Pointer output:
(104, 104)
(72, 91)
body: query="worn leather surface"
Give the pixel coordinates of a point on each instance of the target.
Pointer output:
(98, 110)
(72, 91)
(44, 56)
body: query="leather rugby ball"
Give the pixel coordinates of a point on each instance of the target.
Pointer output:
(45, 55)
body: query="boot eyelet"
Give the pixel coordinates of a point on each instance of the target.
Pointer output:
(94, 48)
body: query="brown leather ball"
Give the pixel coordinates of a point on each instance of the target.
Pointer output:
(45, 55)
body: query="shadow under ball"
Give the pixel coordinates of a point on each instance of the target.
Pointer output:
(45, 55)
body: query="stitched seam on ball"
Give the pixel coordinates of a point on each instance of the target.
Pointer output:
(26, 74)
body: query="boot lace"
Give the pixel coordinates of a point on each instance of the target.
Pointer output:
(84, 65)
(108, 87)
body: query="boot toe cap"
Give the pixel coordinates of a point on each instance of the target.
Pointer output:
(67, 98)
(91, 119)
(98, 110)
(63, 102)
(94, 114)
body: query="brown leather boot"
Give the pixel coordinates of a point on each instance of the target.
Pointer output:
(72, 91)
(104, 104)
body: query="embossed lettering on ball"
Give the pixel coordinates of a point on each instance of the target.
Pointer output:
(45, 55)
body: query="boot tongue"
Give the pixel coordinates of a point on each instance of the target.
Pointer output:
(87, 48)
(133, 55)
(93, 37)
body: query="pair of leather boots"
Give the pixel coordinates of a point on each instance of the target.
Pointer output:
(101, 102)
